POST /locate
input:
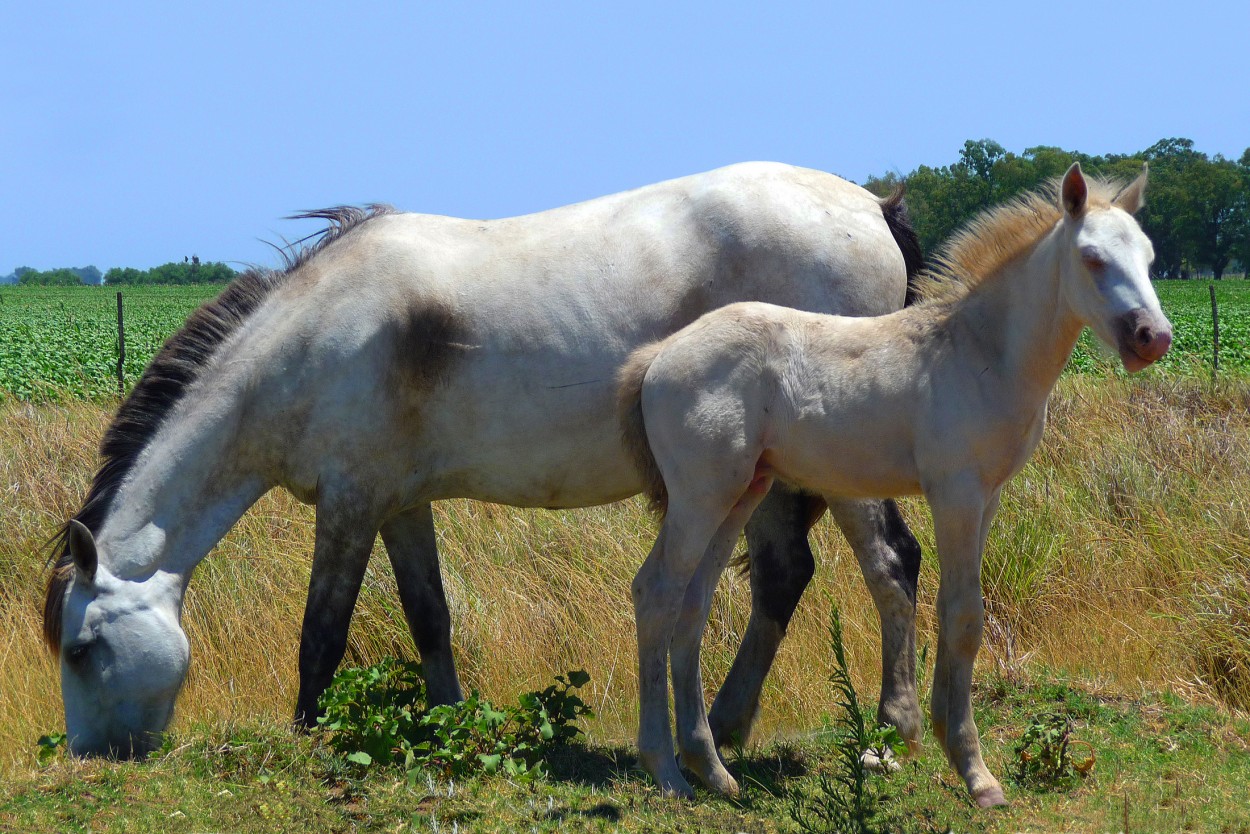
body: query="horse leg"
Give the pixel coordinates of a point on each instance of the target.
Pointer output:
(889, 558)
(658, 590)
(413, 551)
(345, 537)
(781, 565)
(961, 519)
(694, 736)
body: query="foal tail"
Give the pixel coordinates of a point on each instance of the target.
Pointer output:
(633, 430)
(894, 209)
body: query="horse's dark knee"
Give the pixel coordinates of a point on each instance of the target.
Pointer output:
(894, 530)
(781, 561)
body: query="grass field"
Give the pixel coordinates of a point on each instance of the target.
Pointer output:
(1117, 580)
(58, 342)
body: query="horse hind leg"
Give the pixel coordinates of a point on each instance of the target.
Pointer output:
(889, 558)
(658, 590)
(694, 736)
(781, 565)
(413, 551)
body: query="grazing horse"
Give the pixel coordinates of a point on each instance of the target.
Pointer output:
(946, 398)
(408, 358)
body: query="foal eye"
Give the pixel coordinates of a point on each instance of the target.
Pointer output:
(1092, 262)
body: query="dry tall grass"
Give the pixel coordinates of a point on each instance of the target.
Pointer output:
(1121, 556)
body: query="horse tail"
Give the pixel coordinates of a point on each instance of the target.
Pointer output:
(894, 209)
(633, 429)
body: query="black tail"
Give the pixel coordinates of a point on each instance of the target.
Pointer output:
(896, 217)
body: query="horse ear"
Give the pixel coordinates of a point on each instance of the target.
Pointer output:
(1133, 195)
(1074, 191)
(82, 549)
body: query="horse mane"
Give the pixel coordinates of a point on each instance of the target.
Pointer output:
(167, 379)
(997, 236)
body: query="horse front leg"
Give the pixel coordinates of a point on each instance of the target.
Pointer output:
(961, 519)
(345, 535)
(413, 551)
(889, 558)
(781, 565)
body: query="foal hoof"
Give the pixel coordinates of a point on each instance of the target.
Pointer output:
(991, 797)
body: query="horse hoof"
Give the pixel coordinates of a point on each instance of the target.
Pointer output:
(676, 789)
(991, 797)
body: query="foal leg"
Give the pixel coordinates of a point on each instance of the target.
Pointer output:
(658, 590)
(345, 534)
(961, 519)
(694, 737)
(413, 551)
(889, 558)
(781, 565)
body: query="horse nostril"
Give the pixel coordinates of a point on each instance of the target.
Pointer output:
(1145, 335)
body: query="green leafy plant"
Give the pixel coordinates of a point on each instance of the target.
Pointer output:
(378, 716)
(1044, 754)
(49, 745)
(850, 797)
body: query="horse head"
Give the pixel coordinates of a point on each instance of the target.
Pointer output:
(1105, 270)
(123, 654)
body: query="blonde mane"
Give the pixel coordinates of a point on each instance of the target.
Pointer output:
(997, 236)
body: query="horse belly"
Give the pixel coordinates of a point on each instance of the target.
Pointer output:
(561, 449)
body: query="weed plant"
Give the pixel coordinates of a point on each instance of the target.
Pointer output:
(850, 794)
(379, 715)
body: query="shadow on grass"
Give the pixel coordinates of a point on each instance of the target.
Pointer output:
(764, 770)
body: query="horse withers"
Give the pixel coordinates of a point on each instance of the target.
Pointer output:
(946, 399)
(408, 358)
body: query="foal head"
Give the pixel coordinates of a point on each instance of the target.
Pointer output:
(1105, 270)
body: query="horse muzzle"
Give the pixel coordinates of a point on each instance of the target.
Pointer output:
(1142, 337)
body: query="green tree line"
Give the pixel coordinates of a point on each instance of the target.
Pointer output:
(189, 271)
(1197, 210)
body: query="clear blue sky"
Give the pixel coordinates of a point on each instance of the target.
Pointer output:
(132, 134)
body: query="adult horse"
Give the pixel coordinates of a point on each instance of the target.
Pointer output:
(946, 398)
(408, 358)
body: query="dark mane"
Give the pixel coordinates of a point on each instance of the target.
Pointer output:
(166, 380)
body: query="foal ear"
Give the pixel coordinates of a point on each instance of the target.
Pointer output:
(1133, 195)
(1074, 191)
(82, 549)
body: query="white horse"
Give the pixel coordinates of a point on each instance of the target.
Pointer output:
(945, 399)
(408, 358)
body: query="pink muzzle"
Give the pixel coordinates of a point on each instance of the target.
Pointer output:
(1143, 337)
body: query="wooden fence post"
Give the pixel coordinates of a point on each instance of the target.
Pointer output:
(121, 347)
(1215, 324)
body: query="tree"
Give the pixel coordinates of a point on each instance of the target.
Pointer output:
(53, 277)
(1216, 219)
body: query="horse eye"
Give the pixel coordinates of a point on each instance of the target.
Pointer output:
(76, 654)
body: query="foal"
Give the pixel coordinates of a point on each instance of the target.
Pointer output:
(946, 399)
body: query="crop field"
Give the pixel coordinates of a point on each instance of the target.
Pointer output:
(59, 342)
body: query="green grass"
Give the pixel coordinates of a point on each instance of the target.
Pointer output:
(1176, 767)
(62, 341)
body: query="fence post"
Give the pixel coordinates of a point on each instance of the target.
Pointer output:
(121, 348)
(1215, 325)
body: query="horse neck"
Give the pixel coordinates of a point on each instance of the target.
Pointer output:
(188, 487)
(1019, 316)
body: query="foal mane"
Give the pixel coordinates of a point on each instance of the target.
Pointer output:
(167, 379)
(998, 235)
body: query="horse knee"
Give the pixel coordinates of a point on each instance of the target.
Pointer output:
(905, 566)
